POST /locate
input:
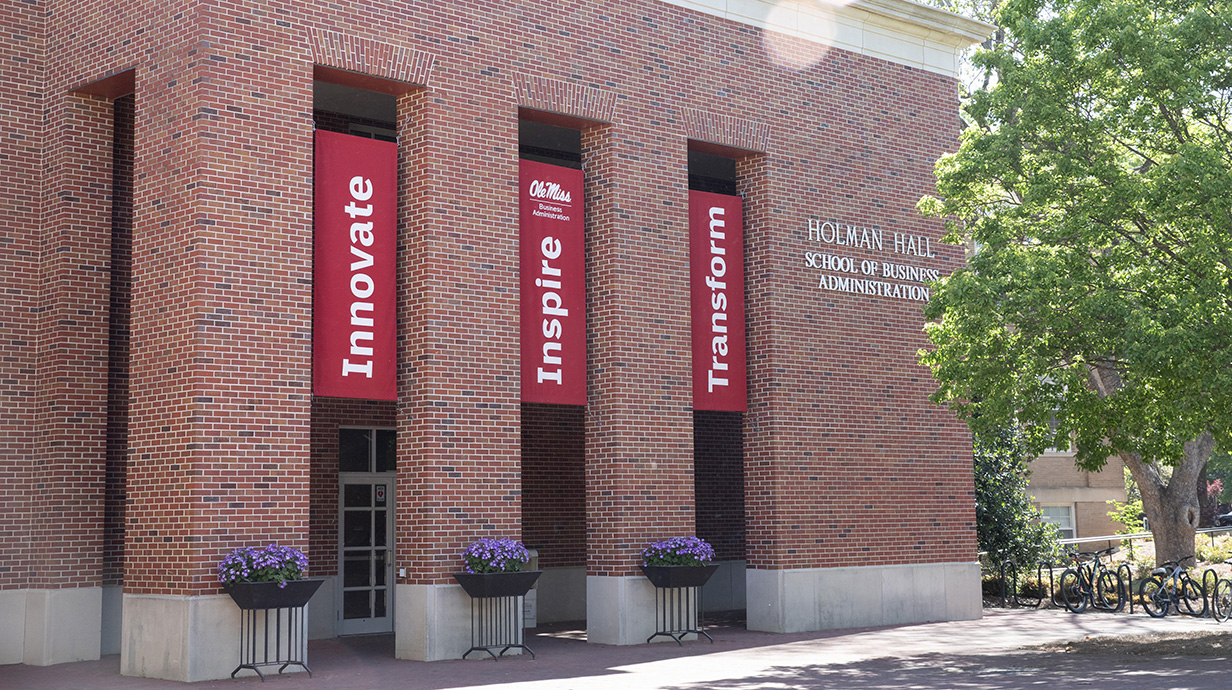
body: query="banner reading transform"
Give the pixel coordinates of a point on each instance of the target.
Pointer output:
(716, 278)
(353, 314)
(553, 284)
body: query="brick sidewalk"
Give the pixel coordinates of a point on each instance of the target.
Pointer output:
(985, 653)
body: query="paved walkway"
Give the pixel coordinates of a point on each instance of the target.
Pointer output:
(986, 654)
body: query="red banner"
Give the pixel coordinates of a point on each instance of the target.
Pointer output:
(553, 284)
(353, 311)
(716, 277)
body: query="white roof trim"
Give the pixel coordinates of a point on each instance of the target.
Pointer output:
(899, 31)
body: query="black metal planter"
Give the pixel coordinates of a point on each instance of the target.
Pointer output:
(496, 610)
(678, 599)
(262, 642)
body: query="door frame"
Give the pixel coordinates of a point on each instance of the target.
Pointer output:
(366, 626)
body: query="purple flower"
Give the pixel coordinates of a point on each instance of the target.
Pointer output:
(495, 556)
(678, 551)
(271, 563)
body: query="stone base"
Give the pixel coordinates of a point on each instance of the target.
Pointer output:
(113, 619)
(564, 597)
(41, 627)
(829, 598)
(431, 622)
(726, 589)
(323, 612)
(619, 610)
(184, 638)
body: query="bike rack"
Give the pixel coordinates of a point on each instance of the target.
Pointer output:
(1128, 581)
(1052, 586)
(1208, 595)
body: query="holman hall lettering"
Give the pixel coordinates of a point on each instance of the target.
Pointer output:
(865, 276)
(553, 284)
(354, 221)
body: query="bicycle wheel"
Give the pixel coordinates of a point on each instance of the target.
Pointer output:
(1154, 596)
(1110, 591)
(1221, 602)
(1192, 601)
(1072, 591)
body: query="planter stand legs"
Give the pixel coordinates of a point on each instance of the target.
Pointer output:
(678, 612)
(262, 640)
(496, 623)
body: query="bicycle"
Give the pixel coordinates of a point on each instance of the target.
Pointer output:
(1221, 600)
(1171, 587)
(1095, 584)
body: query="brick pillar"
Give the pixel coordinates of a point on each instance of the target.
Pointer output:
(221, 340)
(21, 227)
(639, 426)
(71, 406)
(458, 412)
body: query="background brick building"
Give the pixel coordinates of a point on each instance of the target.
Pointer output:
(156, 384)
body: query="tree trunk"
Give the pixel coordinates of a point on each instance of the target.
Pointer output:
(1206, 512)
(1172, 507)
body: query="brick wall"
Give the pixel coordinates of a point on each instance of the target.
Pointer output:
(22, 138)
(554, 483)
(839, 436)
(1058, 470)
(118, 341)
(719, 481)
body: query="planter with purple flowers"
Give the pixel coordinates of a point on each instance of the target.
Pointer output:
(494, 576)
(267, 583)
(678, 568)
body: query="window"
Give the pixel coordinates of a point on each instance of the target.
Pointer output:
(1062, 517)
(370, 132)
(366, 450)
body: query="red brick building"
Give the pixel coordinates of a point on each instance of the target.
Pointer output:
(156, 386)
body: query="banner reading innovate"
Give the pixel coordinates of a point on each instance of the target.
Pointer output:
(353, 314)
(553, 284)
(716, 277)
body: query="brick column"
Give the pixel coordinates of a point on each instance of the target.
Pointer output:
(66, 505)
(221, 337)
(21, 226)
(458, 412)
(639, 426)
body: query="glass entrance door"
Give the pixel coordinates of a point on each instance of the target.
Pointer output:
(366, 531)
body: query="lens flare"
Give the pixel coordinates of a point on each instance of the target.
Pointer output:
(798, 34)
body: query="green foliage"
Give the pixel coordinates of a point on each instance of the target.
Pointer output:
(1128, 515)
(1095, 184)
(1219, 552)
(1008, 527)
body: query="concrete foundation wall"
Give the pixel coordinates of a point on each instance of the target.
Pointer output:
(12, 625)
(562, 595)
(184, 638)
(619, 610)
(830, 598)
(726, 589)
(113, 619)
(431, 622)
(322, 615)
(62, 625)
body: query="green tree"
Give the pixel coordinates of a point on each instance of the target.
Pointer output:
(1007, 525)
(1095, 184)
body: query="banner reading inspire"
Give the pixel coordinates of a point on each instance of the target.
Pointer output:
(553, 283)
(716, 277)
(353, 314)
